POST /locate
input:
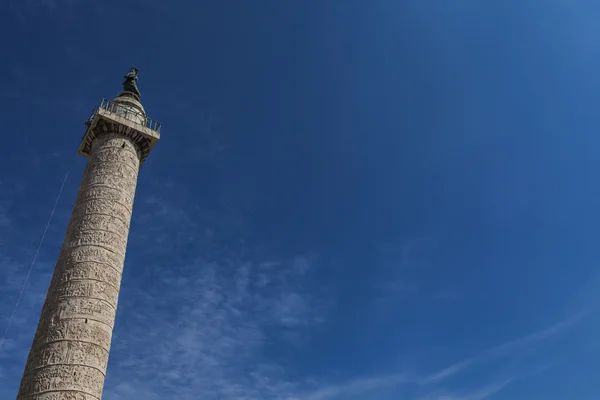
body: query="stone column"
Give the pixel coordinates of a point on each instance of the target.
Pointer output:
(70, 350)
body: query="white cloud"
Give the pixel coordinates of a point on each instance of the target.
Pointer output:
(432, 384)
(204, 326)
(478, 394)
(506, 348)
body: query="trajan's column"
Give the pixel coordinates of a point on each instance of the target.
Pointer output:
(69, 354)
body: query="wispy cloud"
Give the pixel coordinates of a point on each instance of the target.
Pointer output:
(205, 325)
(207, 333)
(433, 384)
(357, 387)
(482, 393)
(203, 319)
(507, 348)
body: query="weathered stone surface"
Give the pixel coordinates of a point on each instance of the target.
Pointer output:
(92, 237)
(101, 222)
(70, 350)
(63, 377)
(74, 255)
(78, 307)
(76, 329)
(107, 193)
(96, 181)
(65, 395)
(102, 206)
(90, 288)
(113, 152)
(114, 170)
(93, 270)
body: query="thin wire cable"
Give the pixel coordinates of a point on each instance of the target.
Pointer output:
(33, 261)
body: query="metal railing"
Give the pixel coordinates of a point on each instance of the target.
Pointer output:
(126, 112)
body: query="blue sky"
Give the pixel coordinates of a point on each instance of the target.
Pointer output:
(392, 200)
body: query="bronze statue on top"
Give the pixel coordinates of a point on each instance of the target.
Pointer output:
(130, 84)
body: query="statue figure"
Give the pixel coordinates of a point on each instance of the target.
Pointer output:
(130, 84)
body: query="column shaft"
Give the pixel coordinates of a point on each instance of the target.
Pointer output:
(69, 354)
